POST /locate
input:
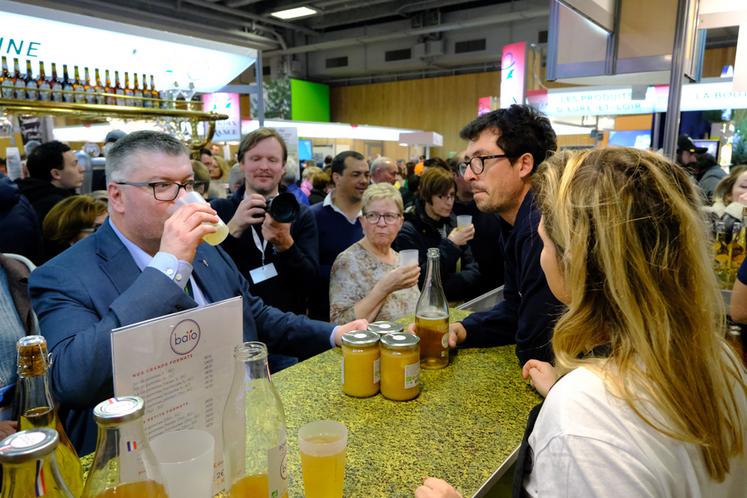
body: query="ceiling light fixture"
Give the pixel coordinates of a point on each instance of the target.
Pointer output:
(296, 13)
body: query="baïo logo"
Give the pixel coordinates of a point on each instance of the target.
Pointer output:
(185, 337)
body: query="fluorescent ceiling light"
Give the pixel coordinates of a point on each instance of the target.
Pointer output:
(294, 13)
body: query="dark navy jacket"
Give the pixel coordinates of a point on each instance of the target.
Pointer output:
(20, 231)
(527, 315)
(295, 267)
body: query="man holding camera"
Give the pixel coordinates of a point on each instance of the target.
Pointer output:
(275, 251)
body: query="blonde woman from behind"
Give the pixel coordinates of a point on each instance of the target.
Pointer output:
(646, 398)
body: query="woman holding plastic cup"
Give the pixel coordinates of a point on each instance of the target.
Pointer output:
(433, 224)
(367, 280)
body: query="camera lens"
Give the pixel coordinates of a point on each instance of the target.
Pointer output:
(283, 207)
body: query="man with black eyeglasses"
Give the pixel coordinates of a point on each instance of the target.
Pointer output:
(146, 261)
(505, 147)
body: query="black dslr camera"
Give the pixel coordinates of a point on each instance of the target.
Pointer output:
(283, 207)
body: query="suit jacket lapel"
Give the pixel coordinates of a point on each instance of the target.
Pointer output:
(116, 261)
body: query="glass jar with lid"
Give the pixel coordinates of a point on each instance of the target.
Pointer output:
(400, 366)
(30, 467)
(382, 328)
(360, 363)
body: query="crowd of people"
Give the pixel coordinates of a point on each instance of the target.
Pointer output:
(609, 296)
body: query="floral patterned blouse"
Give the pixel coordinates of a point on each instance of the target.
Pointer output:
(354, 274)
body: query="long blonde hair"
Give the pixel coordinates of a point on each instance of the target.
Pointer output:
(636, 261)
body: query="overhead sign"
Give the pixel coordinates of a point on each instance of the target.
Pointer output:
(224, 103)
(617, 101)
(39, 34)
(513, 74)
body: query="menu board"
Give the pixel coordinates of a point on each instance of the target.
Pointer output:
(182, 366)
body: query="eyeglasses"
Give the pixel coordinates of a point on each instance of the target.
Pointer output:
(389, 218)
(477, 163)
(163, 191)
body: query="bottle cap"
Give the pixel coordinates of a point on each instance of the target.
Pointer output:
(115, 411)
(360, 338)
(400, 341)
(32, 355)
(28, 445)
(382, 327)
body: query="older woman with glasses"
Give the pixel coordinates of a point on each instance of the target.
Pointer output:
(432, 224)
(366, 281)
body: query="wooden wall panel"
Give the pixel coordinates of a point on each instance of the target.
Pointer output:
(716, 58)
(443, 105)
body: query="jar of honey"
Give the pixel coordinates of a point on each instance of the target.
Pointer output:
(400, 366)
(383, 328)
(360, 363)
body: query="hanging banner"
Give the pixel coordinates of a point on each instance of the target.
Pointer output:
(513, 74)
(224, 103)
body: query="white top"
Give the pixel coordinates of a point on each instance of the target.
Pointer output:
(588, 443)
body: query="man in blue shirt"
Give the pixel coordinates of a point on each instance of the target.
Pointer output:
(505, 148)
(337, 219)
(146, 261)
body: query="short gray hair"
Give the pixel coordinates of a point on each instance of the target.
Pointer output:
(290, 175)
(382, 191)
(379, 162)
(119, 161)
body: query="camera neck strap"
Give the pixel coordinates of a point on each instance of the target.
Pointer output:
(261, 245)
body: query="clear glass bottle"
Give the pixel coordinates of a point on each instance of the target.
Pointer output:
(88, 88)
(67, 85)
(432, 316)
(79, 88)
(36, 408)
(123, 464)
(32, 87)
(109, 89)
(30, 467)
(18, 81)
(137, 92)
(6, 81)
(98, 89)
(45, 87)
(56, 85)
(118, 89)
(255, 465)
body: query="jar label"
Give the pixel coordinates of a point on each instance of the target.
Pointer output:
(412, 375)
(277, 462)
(376, 371)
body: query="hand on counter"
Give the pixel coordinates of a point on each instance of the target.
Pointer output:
(360, 324)
(457, 334)
(7, 427)
(542, 375)
(436, 488)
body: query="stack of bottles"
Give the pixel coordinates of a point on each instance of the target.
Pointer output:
(729, 249)
(55, 88)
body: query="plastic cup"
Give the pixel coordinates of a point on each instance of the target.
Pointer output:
(464, 220)
(212, 238)
(408, 257)
(186, 461)
(322, 445)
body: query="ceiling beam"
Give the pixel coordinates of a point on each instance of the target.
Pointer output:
(254, 17)
(489, 20)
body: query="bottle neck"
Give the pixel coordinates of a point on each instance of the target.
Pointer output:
(433, 271)
(35, 396)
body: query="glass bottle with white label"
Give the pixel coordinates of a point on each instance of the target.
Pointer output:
(254, 431)
(432, 316)
(123, 465)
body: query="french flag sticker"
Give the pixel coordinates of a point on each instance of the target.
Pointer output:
(131, 446)
(39, 487)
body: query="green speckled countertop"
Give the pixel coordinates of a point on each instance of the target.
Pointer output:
(468, 419)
